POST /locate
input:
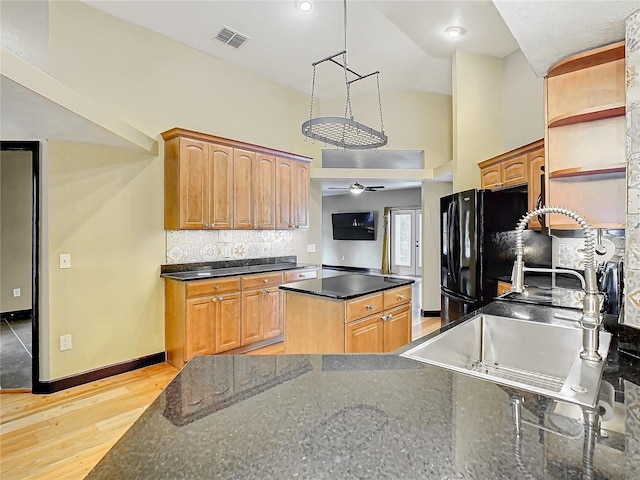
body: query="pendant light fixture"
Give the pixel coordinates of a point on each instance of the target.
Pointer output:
(344, 132)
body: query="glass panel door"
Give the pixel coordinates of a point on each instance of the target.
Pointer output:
(406, 230)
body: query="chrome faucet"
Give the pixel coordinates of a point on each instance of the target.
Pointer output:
(590, 321)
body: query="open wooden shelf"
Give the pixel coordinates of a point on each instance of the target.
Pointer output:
(579, 61)
(588, 115)
(581, 171)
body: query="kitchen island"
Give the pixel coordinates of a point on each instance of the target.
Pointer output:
(347, 314)
(369, 417)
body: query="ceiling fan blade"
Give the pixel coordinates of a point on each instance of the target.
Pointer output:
(378, 186)
(337, 188)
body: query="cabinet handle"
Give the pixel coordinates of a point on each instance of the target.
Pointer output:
(217, 287)
(499, 184)
(384, 317)
(220, 298)
(402, 297)
(301, 275)
(369, 307)
(268, 291)
(390, 316)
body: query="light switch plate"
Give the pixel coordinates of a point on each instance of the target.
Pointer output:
(311, 248)
(65, 260)
(16, 292)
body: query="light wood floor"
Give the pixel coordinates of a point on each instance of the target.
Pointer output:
(65, 434)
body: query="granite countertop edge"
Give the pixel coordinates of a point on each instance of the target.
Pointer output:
(303, 288)
(204, 273)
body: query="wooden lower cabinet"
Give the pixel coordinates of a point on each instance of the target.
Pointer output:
(376, 323)
(503, 287)
(364, 336)
(384, 332)
(200, 328)
(204, 317)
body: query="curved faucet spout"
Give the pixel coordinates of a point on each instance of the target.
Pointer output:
(591, 303)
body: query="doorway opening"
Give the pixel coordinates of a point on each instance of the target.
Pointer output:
(19, 260)
(406, 241)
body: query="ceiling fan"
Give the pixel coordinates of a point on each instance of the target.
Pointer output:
(357, 188)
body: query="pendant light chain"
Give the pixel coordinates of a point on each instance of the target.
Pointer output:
(380, 102)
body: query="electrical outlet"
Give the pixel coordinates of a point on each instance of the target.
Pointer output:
(16, 292)
(226, 252)
(65, 342)
(311, 248)
(341, 257)
(65, 260)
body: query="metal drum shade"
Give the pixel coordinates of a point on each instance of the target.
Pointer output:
(343, 132)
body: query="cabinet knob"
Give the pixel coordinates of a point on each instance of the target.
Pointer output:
(266, 280)
(220, 298)
(268, 291)
(402, 297)
(301, 275)
(213, 299)
(369, 307)
(390, 316)
(206, 225)
(384, 317)
(217, 287)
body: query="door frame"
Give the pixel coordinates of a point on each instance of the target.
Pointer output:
(34, 148)
(418, 231)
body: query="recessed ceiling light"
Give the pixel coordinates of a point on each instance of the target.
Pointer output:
(304, 5)
(455, 32)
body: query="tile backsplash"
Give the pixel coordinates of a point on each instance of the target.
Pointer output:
(632, 250)
(185, 246)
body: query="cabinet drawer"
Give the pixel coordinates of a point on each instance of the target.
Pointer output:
(363, 306)
(261, 280)
(297, 275)
(397, 296)
(201, 288)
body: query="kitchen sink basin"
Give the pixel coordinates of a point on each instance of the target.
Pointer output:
(538, 357)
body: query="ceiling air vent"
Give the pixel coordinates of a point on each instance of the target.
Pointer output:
(231, 37)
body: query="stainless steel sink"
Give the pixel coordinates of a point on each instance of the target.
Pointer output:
(537, 357)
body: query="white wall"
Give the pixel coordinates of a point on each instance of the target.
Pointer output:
(360, 253)
(522, 104)
(477, 115)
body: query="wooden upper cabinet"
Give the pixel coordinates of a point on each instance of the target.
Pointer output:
(220, 187)
(301, 195)
(186, 198)
(244, 189)
(214, 182)
(521, 166)
(284, 197)
(505, 170)
(265, 198)
(536, 170)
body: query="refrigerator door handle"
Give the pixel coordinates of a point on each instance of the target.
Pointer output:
(449, 237)
(454, 250)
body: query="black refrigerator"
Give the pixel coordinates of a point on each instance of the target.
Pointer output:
(477, 240)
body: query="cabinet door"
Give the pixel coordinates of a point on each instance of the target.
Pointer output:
(503, 287)
(397, 328)
(365, 336)
(220, 186)
(252, 328)
(265, 187)
(536, 169)
(284, 198)
(228, 322)
(243, 189)
(490, 177)
(301, 195)
(272, 313)
(193, 184)
(515, 171)
(199, 325)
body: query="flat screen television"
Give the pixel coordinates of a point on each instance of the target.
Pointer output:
(353, 226)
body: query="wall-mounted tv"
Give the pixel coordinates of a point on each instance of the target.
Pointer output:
(353, 226)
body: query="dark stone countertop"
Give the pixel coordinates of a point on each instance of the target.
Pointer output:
(204, 270)
(363, 417)
(344, 287)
